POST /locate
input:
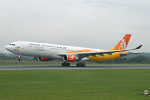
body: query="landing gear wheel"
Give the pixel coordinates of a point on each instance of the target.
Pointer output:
(19, 59)
(81, 65)
(65, 64)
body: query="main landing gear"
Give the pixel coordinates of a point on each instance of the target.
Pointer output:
(65, 64)
(78, 64)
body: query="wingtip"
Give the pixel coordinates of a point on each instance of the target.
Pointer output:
(139, 47)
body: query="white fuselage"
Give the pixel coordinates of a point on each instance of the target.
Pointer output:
(41, 49)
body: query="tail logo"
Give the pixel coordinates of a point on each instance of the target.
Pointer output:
(123, 45)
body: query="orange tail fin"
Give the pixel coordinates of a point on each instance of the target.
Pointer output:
(122, 45)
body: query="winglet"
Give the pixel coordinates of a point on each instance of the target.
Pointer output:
(138, 47)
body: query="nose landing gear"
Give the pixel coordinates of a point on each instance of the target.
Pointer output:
(20, 59)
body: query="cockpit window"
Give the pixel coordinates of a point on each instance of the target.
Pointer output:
(12, 44)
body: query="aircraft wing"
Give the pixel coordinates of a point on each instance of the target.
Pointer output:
(87, 54)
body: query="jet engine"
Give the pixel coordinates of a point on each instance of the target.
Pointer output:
(70, 58)
(44, 59)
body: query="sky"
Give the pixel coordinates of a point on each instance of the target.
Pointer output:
(99, 24)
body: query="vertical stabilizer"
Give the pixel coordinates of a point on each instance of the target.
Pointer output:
(122, 45)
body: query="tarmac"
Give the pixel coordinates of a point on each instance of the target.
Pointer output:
(71, 67)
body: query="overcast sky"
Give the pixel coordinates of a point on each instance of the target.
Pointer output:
(85, 23)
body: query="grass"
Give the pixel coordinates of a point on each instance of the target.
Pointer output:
(107, 84)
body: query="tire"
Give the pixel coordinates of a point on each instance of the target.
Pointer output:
(19, 60)
(80, 64)
(65, 64)
(83, 65)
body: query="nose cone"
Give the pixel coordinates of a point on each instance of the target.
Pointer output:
(7, 47)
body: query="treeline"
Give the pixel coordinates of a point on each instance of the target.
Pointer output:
(135, 60)
(12, 57)
(141, 59)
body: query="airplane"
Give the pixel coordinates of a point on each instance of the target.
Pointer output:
(45, 52)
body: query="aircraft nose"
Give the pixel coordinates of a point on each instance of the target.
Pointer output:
(7, 47)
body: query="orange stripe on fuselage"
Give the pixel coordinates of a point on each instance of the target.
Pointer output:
(99, 58)
(83, 50)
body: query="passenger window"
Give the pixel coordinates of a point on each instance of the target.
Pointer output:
(12, 44)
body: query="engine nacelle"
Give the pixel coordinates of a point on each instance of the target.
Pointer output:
(44, 59)
(70, 58)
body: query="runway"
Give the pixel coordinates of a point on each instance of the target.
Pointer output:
(69, 68)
